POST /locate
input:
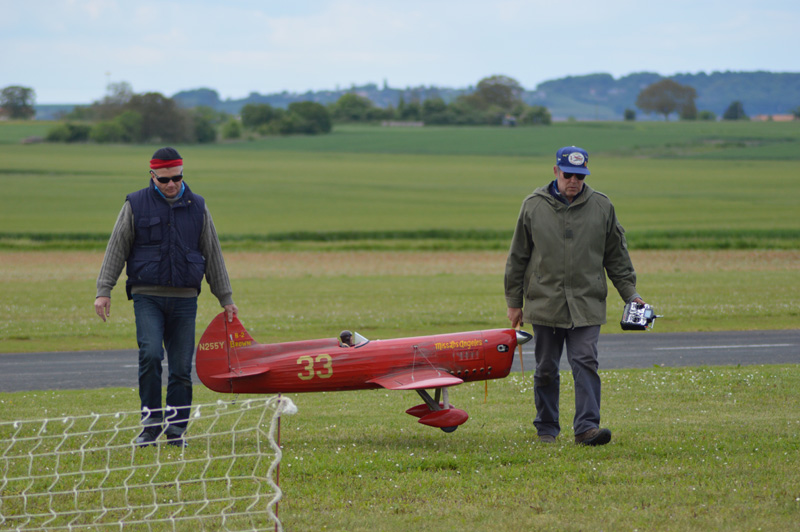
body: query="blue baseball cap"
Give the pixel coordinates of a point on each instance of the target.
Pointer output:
(573, 160)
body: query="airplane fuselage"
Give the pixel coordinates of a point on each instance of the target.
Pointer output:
(323, 365)
(229, 360)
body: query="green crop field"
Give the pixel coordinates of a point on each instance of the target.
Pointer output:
(717, 140)
(674, 185)
(48, 296)
(14, 132)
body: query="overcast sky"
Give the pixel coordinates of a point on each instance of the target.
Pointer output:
(69, 50)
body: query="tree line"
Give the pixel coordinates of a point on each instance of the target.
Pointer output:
(495, 101)
(587, 97)
(125, 117)
(667, 96)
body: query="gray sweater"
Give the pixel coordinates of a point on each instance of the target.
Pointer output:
(119, 246)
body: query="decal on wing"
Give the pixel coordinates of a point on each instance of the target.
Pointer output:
(416, 379)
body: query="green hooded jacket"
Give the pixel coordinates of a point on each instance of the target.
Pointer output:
(560, 254)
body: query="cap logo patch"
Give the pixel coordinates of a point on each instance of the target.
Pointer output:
(576, 159)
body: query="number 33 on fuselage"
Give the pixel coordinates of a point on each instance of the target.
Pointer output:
(324, 361)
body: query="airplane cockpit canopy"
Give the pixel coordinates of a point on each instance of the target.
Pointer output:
(352, 339)
(359, 340)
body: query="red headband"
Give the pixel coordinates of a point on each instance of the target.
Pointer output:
(165, 163)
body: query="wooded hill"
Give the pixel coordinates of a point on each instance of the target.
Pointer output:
(603, 97)
(589, 97)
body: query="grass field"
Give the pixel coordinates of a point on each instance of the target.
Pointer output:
(404, 183)
(694, 449)
(396, 232)
(720, 140)
(48, 296)
(716, 140)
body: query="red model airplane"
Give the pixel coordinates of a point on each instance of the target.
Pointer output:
(230, 361)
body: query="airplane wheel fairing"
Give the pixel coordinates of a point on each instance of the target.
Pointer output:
(422, 410)
(450, 418)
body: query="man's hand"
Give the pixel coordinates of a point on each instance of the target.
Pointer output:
(638, 300)
(102, 306)
(515, 317)
(232, 310)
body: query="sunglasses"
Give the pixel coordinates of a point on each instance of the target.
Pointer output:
(165, 180)
(580, 177)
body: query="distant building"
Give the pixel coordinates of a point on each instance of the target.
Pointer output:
(510, 120)
(394, 123)
(773, 118)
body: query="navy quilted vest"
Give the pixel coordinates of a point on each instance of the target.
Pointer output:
(166, 246)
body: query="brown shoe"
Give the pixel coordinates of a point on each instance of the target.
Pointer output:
(547, 438)
(593, 437)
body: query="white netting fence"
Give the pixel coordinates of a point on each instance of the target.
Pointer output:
(84, 473)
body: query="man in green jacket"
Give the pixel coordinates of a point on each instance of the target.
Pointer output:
(566, 239)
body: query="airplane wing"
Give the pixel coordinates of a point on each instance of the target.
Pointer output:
(242, 373)
(416, 379)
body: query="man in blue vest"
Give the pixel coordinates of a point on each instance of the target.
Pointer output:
(165, 234)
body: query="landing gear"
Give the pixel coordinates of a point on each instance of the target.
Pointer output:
(437, 411)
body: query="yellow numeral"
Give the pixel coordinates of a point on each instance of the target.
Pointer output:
(308, 370)
(309, 362)
(327, 365)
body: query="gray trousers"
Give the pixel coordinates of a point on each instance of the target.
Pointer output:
(582, 356)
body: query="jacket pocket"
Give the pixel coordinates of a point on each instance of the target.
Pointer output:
(149, 230)
(196, 268)
(600, 287)
(144, 265)
(621, 235)
(536, 288)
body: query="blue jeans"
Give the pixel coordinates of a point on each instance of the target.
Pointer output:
(581, 345)
(167, 322)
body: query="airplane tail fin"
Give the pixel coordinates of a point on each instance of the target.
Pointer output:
(216, 362)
